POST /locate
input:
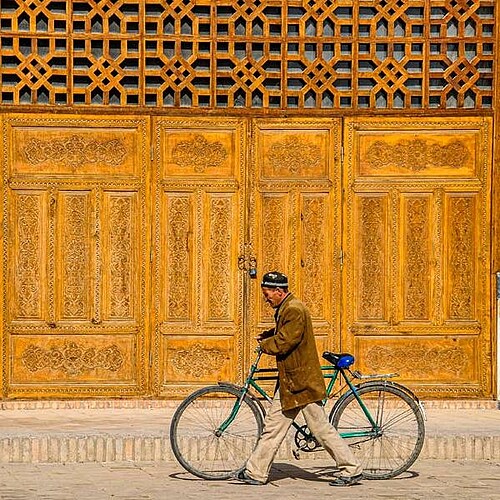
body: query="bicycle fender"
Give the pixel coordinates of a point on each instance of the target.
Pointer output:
(249, 395)
(392, 384)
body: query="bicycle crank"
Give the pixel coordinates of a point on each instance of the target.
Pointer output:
(305, 441)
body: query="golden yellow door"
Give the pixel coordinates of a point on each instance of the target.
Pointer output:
(198, 235)
(295, 206)
(417, 252)
(75, 255)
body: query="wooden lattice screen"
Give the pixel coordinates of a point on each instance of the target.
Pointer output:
(322, 54)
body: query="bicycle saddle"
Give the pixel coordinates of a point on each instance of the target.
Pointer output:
(341, 360)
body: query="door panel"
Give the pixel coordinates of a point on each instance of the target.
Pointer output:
(198, 236)
(417, 246)
(75, 253)
(295, 218)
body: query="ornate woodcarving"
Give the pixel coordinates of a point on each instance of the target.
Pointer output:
(372, 271)
(75, 252)
(418, 154)
(199, 154)
(28, 270)
(314, 218)
(75, 151)
(72, 359)
(292, 155)
(122, 256)
(273, 232)
(220, 258)
(416, 262)
(462, 258)
(178, 272)
(416, 360)
(198, 361)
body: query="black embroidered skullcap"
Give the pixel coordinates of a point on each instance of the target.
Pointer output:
(274, 279)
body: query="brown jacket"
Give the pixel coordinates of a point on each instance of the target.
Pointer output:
(293, 344)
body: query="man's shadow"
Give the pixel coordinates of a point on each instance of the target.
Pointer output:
(280, 471)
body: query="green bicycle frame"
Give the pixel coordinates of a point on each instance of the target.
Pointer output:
(254, 376)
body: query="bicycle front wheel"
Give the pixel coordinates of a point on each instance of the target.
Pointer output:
(392, 446)
(197, 440)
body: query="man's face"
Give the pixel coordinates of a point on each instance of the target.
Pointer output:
(273, 296)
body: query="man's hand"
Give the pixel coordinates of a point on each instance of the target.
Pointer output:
(264, 335)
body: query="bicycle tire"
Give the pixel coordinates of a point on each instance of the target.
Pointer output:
(193, 432)
(401, 424)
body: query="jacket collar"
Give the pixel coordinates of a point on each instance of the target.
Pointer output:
(278, 310)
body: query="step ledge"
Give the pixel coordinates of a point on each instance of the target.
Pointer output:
(95, 404)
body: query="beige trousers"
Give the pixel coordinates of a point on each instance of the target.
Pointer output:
(276, 425)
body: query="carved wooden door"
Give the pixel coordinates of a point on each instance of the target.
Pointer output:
(199, 234)
(295, 206)
(417, 251)
(75, 273)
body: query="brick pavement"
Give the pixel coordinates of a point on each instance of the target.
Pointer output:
(304, 480)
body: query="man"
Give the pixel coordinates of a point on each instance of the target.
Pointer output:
(301, 388)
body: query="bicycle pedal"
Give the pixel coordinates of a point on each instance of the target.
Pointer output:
(296, 454)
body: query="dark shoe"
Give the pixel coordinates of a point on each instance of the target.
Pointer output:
(346, 481)
(242, 476)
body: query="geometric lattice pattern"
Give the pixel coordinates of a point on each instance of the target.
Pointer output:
(320, 54)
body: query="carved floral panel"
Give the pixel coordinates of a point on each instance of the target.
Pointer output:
(418, 154)
(29, 274)
(121, 252)
(220, 257)
(71, 151)
(57, 359)
(75, 252)
(420, 359)
(178, 257)
(197, 360)
(288, 154)
(416, 258)
(462, 257)
(200, 153)
(315, 255)
(371, 244)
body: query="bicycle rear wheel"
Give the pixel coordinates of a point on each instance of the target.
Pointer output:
(396, 444)
(194, 437)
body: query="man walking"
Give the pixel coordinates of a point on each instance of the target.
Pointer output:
(301, 388)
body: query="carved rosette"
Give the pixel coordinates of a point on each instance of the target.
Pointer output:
(416, 273)
(28, 272)
(462, 258)
(198, 361)
(293, 155)
(75, 151)
(178, 257)
(372, 259)
(418, 154)
(75, 248)
(220, 258)
(416, 360)
(199, 154)
(121, 257)
(72, 359)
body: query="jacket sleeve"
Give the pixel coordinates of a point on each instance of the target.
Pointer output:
(289, 334)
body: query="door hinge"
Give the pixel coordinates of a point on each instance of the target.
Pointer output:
(151, 153)
(341, 258)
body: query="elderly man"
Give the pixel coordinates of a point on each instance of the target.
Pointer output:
(301, 388)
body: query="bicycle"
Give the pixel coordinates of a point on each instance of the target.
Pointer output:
(215, 429)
